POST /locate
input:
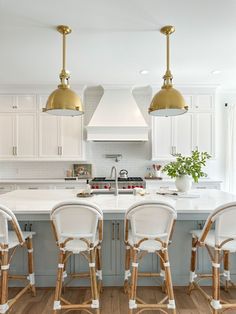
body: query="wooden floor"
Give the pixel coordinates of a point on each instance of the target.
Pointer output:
(114, 301)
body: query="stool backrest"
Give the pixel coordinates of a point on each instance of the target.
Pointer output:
(6, 215)
(76, 219)
(151, 219)
(224, 218)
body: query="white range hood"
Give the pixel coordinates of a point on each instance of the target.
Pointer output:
(117, 118)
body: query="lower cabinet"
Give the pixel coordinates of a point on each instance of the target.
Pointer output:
(113, 253)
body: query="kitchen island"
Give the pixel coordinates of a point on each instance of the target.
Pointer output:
(32, 208)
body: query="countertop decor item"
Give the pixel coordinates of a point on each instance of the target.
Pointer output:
(184, 169)
(83, 171)
(63, 101)
(168, 101)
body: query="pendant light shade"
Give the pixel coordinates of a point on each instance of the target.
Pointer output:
(168, 101)
(63, 101)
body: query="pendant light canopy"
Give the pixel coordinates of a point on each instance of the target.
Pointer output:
(168, 101)
(63, 101)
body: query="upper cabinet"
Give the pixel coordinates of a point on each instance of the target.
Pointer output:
(18, 127)
(60, 137)
(182, 134)
(29, 134)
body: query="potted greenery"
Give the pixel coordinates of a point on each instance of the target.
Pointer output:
(184, 169)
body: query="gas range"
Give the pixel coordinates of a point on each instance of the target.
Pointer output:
(123, 183)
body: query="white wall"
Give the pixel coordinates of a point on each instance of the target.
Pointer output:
(136, 156)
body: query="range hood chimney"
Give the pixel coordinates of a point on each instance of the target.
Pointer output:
(117, 118)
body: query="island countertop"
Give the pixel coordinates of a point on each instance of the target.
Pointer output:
(38, 202)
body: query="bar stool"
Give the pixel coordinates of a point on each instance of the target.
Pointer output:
(148, 229)
(9, 242)
(78, 229)
(219, 243)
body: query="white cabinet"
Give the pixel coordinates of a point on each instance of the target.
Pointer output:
(204, 132)
(25, 135)
(60, 137)
(18, 127)
(7, 135)
(162, 137)
(182, 134)
(17, 103)
(18, 135)
(71, 137)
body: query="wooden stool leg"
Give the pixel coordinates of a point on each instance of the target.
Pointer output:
(4, 280)
(192, 274)
(57, 303)
(215, 303)
(226, 270)
(31, 276)
(134, 279)
(99, 268)
(162, 273)
(94, 289)
(127, 268)
(169, 285)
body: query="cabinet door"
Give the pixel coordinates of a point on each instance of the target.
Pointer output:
(109, 254)
(48, 136)
(6, 135)
(71, 137)
(203, 103)
(162, 138)
(183, 133)
(7, 103)
(26, 140)
(26, 103)
(205, 132)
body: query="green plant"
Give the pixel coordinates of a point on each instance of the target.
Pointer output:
(191, 166)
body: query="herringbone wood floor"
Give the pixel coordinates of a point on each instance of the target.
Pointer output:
(114, 301)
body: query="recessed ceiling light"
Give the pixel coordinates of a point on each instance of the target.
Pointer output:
(143, 72)
(215, 72)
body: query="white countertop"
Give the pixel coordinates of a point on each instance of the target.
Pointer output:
(39, 181)
(42, 201)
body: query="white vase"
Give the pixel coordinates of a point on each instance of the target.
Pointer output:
(183, 183)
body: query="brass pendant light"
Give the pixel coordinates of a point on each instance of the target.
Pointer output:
(63, 101)
(168, 101)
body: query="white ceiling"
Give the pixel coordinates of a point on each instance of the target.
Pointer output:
(112, 40)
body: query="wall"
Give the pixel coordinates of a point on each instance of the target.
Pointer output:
(136, 156)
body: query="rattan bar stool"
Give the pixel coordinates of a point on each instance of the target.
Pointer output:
(78, 229)
(9, 242)
(219, 242)
(148, 229)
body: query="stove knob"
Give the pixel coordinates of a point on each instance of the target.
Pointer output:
(141, 186)
(124, 187)
(93, 186)
(133, 186)
(97, 187)
(129, 187)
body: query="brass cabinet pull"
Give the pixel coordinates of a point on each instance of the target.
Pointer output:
(25, 227)
(118, 231)
(15, 150)
(30, 227)
(113, 231)
(58, 150)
